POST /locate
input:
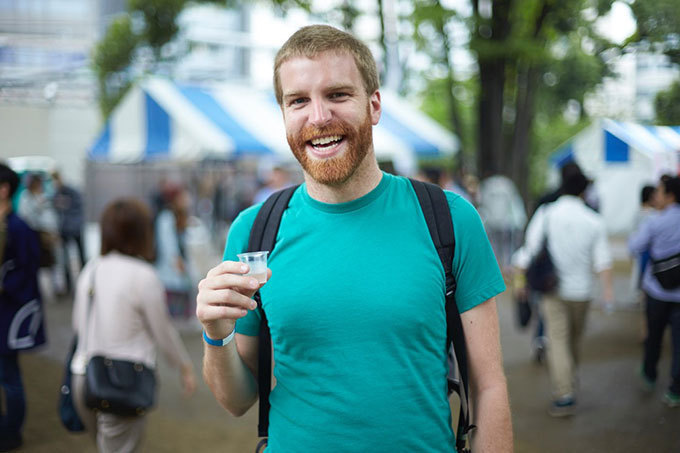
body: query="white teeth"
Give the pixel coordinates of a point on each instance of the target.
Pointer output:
(325, 140)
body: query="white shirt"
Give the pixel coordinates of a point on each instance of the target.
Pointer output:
(129, 318)
(577, 242)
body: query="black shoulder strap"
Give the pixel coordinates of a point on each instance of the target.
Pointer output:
(437, 214)
(263, 237)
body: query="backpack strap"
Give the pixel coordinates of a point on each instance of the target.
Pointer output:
(437, 214)
(263, 237)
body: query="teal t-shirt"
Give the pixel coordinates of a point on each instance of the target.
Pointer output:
(356, 311)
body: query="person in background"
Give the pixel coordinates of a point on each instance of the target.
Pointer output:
(21, 312)
(278, 179)
(660, 236)
(355, 302)
(539, 341)
(68, 205)
(647, 209)
(172, 260)
(127, 320)
(36, 209)
(577, 242)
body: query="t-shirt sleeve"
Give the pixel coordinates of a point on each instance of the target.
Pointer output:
(475, 268)
(237, 242)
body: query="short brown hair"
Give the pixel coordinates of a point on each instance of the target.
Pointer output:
(312, 40)
(126, 228)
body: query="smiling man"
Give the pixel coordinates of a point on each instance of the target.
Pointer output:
(355, 302)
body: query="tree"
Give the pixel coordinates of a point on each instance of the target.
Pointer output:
(667, 104)
(658, 22)
(534, 57)
(518, 44)
(432, 18)
(148, 24)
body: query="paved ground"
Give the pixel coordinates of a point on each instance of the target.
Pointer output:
(613, 415)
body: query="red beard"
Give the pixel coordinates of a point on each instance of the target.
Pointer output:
(337, 169)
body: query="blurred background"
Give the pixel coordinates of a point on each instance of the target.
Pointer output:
(486, 97)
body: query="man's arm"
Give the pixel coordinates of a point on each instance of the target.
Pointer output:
(230, 371)
(640, 240)
(488, 387)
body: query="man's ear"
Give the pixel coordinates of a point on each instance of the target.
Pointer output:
(376, 107)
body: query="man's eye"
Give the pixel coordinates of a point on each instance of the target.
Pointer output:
(298, 101)
(338, 95)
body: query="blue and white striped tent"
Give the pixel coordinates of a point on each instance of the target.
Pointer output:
(163, 120)
(621, 157)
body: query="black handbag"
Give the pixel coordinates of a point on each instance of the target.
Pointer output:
(114, 386)
(119, 387)
(667, 271)
(67, 411)
(541, 274)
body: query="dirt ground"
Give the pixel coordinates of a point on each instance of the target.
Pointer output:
(613, 414)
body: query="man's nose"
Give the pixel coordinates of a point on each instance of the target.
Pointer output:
(320, 114)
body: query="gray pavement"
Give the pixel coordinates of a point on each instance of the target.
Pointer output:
(613, 415)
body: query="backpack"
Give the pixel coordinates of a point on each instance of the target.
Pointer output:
(438, 217)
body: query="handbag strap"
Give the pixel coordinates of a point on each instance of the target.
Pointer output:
(90, 303)
(545, 226)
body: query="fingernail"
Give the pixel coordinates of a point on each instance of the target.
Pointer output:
(244, 268)
(253, 305)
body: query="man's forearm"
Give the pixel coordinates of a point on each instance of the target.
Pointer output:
(229, 378)
(491, 412)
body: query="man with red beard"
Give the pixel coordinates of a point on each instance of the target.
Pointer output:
(355, 302)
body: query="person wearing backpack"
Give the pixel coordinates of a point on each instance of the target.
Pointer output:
(355, 298)
(565, 243)
(660, 235)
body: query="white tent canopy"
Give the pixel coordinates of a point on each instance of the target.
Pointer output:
(163, 120)
(621, 158)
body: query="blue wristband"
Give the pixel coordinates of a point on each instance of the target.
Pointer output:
(221, 342)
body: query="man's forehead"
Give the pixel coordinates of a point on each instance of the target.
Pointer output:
(337, 53)
(302, 69)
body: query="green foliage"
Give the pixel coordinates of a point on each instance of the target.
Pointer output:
(658, 21)
(159, 20)
(112, 57)
(435, 104)
(667, 104)
(114, 54)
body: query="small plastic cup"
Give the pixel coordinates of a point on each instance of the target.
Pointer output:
(257, 261)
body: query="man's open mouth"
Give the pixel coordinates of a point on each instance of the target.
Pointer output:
(324, 143)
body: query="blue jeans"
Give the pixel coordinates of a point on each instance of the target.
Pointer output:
(10, 379)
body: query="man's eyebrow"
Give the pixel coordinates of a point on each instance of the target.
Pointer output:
(293, 94)
(350, 88)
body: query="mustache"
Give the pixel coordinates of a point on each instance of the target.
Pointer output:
(336, 128)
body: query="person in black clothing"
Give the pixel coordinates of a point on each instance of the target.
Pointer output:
(21, 313)
(68, 204)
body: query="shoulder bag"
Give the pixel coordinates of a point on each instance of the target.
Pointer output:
(667, 271)
(541, 274)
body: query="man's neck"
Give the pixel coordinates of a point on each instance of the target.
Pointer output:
(366, 178)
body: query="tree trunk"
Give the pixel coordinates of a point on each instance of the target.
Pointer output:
(490, 127)
(492, 73)
(527, 84)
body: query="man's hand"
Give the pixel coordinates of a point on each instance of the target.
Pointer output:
(224, 296)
